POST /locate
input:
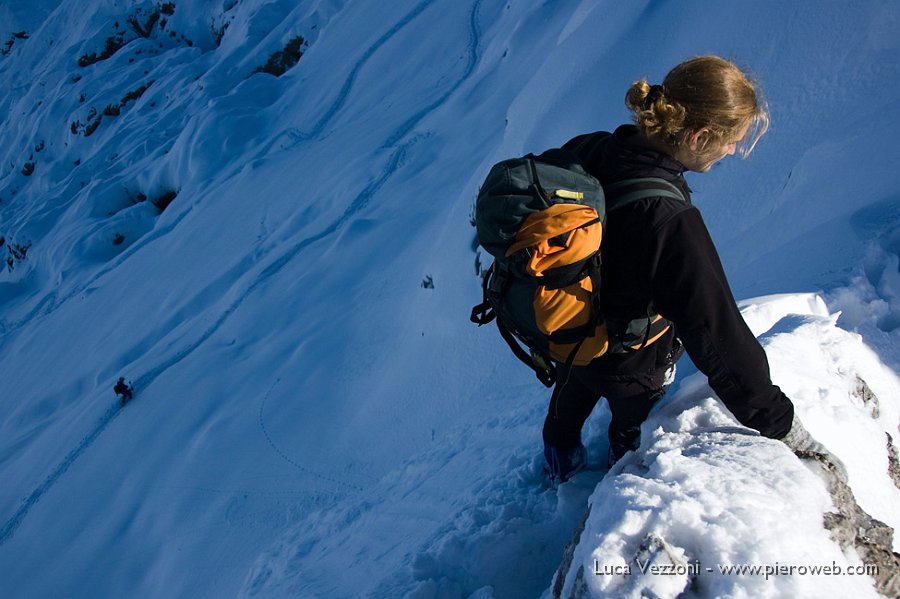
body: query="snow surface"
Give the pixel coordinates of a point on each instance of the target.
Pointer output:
(310, 419)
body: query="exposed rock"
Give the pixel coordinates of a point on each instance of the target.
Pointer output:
(653, 557)
(280, 62)
(568, 556)
(893, 461)
(852, 527)
(864, 393)
(660, 570)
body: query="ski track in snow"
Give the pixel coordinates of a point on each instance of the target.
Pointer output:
(350, 82)
(359, 203)
(10, 526)
(50, 303)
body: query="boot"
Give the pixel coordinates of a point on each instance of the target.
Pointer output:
(562, 464)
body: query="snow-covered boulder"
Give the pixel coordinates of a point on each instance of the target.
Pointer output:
(708, 508)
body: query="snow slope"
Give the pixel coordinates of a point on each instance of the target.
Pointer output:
(310, 419)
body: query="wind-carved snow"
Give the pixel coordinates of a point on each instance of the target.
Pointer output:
(309, 420)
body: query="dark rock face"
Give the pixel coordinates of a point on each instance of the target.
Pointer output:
(852, 527)
(893, 461)
(580, 589)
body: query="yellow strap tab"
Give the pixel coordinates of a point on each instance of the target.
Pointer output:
(569, 194)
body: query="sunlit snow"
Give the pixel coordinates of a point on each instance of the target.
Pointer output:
(283, 266)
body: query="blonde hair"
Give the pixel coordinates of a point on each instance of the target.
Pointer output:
(702, 93)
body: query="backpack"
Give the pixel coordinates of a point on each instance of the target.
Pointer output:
(542, 219)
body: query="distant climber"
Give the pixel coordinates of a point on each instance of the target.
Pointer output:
(126, 390)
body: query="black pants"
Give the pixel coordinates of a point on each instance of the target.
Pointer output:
(631, 384)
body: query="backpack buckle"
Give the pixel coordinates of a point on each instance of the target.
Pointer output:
(540, 361)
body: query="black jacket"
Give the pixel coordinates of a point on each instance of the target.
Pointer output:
(659, 250)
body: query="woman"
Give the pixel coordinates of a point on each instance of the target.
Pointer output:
(658, 256)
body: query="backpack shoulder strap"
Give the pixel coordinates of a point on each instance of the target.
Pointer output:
(484, 313)
(624, 192)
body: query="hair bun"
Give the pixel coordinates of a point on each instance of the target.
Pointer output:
(655, 93)
(704, 92)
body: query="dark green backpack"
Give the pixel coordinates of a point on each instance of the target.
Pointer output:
(542, 219)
